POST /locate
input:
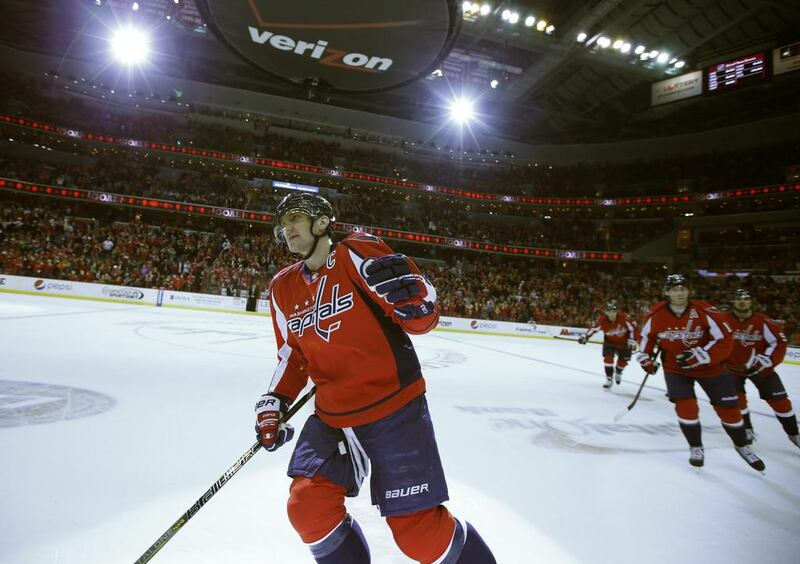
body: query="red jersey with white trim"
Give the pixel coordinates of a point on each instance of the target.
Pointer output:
(615, 333)
(700, 325)
(332, 328)
(758, 334)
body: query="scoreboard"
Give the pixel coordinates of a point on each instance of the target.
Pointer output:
(729, 75)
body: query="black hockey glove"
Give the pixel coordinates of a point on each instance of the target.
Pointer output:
(391, 278)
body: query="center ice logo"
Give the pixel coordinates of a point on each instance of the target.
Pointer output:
(30, 403)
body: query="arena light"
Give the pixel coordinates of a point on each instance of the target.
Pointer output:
(582, 37)
(626, 48)
(462, 110)
(639, 49)
(529, 21)
(513, 18)
(550, 29)
(663, 58)
(485, 9)
(679, 65)
(494, 83)
(541, 25)
(130, 45)
(618, 44)
(505, 15)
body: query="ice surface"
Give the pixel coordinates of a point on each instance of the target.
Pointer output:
(114, 419)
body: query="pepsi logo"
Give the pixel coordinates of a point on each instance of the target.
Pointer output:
(39, 284)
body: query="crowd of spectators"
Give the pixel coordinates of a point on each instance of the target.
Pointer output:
(51, 241)
(699, 173)
(139, 177)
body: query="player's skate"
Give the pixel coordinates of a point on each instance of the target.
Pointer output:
(697, 456)
(618, 377)
(795, 440)
(750, 457)
(751, 436)
(608, 383)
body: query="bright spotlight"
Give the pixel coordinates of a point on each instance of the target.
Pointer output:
(679, 65)
(663, 58)
(541, 25)
(581, 37)
(639, 49)
(513, 18)
(626, 48)
(461, 110)
(485, 9)
(529, 21)
(505, 15)
(130, 46)
(618, 44)
(494, 83)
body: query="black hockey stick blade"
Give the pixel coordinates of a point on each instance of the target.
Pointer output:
(215, 487)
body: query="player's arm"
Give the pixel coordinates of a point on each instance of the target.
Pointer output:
(776, 344)
(718, 348)
(393, 282)
(630, 325)
(583, 339)
(290, 376)
(647, 343)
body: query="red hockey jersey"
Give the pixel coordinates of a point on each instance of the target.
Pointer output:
(332, 328)
(758, 334)
(615, 333)
(700, 325)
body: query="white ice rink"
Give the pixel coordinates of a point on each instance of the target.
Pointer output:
(114, 419)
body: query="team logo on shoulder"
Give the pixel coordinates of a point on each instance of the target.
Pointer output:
(322, 311)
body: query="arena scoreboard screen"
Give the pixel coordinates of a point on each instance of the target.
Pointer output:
(729, 75)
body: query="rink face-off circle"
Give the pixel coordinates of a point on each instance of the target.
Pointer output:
(30, 403)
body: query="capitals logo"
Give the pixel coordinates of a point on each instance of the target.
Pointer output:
(748, 337)
(322, 311)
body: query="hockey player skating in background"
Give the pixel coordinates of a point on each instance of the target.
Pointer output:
(619, 339)
(341, 317)
(695, 343)
(759, 345)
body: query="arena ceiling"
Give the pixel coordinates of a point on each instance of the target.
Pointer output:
(551, 88)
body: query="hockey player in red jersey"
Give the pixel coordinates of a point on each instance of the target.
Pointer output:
(759, 345)
(619, 339)
(695, 343)
(342, 316)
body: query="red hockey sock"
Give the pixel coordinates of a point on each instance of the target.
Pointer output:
(423, 536)
(315, 507)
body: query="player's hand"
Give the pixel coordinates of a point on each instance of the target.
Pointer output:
(693, 358)
(759, 364)
(271, 433)
(647, 363)
(391, 278)
(582, 340)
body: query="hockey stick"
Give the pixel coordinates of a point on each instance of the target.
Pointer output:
(624, 412)
(176, 526)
